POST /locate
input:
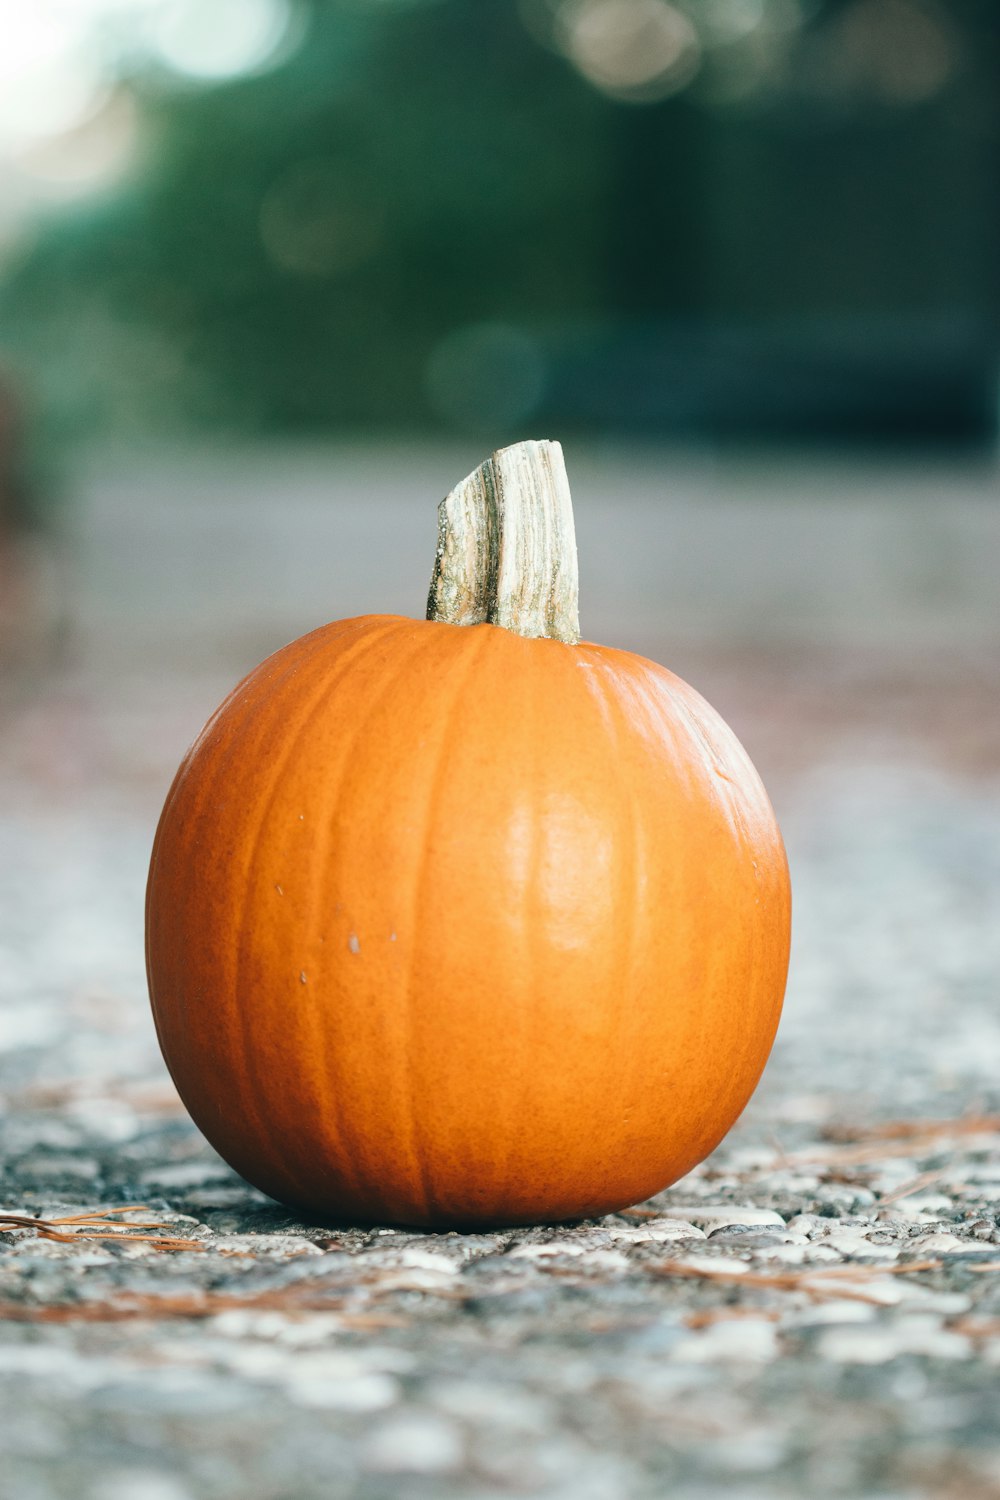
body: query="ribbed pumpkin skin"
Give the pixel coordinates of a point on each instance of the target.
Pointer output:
(450, 927)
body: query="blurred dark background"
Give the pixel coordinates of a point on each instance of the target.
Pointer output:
(707, 218)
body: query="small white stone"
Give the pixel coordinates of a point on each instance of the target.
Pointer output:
(812, 1225)
(982, 1175)
(750, 1340)
(796, 1254)
(355, 1393)
(607, 1260)
(257, 1361)
(837, 1310)
(710, 1217)
(912, 1334)
(494, 1405)
(610, 1260)
(547, 1250)
(415, 1258)
(407, 1279)
(271, 1245)
(922, 1203)
(27, 1027)
(944, 1243)
(711, 1263)
(107, 1119)
(300, 1333)
(900, 1214)
(655, 1231)
(849, 1243)
(238, 1323)
(415, 1443)
(948, 1304)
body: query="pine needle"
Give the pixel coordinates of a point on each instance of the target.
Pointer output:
(99, 1224)
(840, 1281)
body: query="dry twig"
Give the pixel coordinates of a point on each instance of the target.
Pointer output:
(903, 1130)
(707, 1317)
(896, 1138)
(292, 1300)
(915, 1185)
(99, 1225)
(841, 1281)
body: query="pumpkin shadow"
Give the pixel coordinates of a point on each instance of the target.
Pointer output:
(279, 1218)
(306, 1219)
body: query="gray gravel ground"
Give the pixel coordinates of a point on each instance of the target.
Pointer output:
(814, 1311)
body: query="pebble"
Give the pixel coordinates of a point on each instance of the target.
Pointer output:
(355, 1393)
(412, 1258)
(711, 1263)
(511, 1407)
(851, 1245)
(414, 1443)
(23, 1027)
(800, 1253)
(909, 1334)
(943, 1243)
(655, 1231)
(835, 1310)
(917, 1204)
(588, 1258)
(268, 1246)
(429, 1260)
(714, 1217)
(737, 1340)
(414, 1280)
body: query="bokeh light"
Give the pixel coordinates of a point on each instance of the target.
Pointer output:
(893, 52)
(226, 39)
(637, 51)
(642, 51)
(94, 155)
(51, 75)
(70, 72)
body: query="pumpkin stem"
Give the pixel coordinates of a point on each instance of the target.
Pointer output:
(507, 548)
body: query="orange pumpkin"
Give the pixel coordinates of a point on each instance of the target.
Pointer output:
(463, 923)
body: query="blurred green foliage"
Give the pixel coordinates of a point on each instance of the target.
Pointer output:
(457, 174)
(425, 217)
